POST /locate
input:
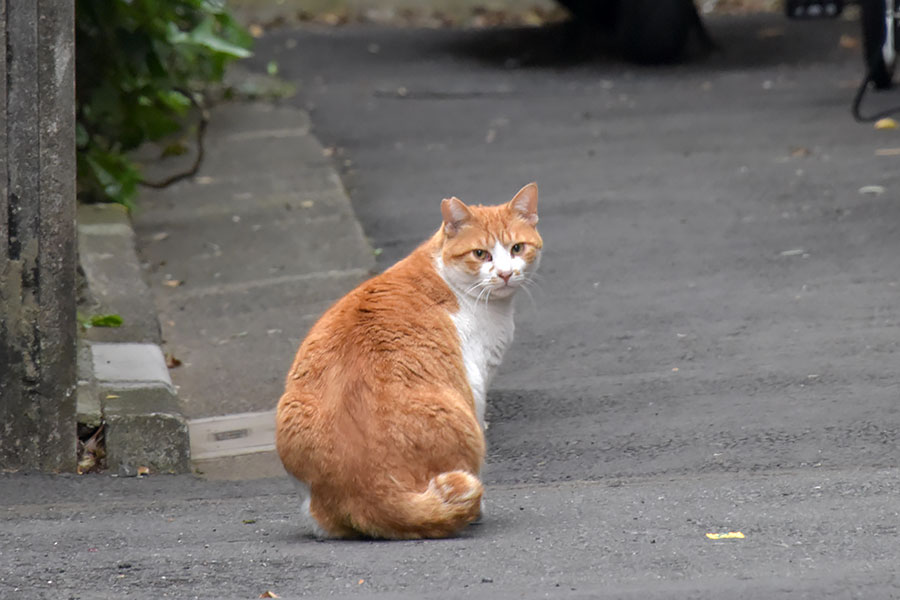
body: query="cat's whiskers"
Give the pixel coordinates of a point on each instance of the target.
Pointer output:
(524, 288)
(485, 291)
(475, 286)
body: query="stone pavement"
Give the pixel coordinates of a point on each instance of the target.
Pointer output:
(242, 258)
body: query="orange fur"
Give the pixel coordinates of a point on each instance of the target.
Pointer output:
(378, 417)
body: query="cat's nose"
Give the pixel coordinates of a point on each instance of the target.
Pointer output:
(504, 275)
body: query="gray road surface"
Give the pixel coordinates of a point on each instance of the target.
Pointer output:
(717, 295)
(714, 346)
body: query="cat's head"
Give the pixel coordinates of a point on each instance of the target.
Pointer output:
(488, 252)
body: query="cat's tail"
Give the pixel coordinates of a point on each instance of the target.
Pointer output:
(451, 501)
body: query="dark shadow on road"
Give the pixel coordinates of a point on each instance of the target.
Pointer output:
(749, 41)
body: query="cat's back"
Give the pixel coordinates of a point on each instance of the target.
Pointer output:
(387, 321)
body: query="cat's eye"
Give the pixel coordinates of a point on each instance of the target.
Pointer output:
(516, 248)
(481, 254)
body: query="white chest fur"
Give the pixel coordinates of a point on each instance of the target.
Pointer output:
(485, 332)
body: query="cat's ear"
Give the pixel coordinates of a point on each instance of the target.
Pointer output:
(524, 204)
(455, 215)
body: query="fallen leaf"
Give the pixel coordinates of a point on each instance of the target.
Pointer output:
(255, 30)
(172, 283)
(360, 582)
(849, 42)
(248, 521)
(731, 535)
(800, 152)
(768, 33)
(269, 594)
(106, 321)
(142, 471)
(887, 152)
(307, 204)
(174, 149)
(92, 451)
(872, 190)
(886, 123)
(86, 464)
(172, 361)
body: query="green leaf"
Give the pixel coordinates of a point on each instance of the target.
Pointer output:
(136, 62)
(106, 321)
(272, 68)
(99, 321)
(82, 137)
(116, 175)
(174, 100)
(204, 35)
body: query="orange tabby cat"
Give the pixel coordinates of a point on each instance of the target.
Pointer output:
(382, 418)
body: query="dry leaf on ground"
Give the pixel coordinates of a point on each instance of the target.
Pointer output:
(849, 42)
(769, 33)
(871, 190)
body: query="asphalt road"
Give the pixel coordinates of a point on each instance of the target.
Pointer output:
(717, 296)
(713, 348)
(718, 299)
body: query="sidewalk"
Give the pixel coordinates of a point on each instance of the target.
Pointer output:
(242, 258)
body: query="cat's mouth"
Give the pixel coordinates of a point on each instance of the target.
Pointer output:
(504, 288)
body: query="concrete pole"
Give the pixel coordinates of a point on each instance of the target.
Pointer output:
(37, 235)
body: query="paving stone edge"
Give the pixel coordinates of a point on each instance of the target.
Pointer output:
(123, 380)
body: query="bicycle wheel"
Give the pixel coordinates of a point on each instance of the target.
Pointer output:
(879, 31)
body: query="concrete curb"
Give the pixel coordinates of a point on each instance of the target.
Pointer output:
(123, 380)
(241, 260)
(267, 191)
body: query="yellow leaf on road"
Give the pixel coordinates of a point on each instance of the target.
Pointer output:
(731, 535)
(886, 123)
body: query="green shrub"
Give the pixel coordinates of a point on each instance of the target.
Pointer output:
(138, 63)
